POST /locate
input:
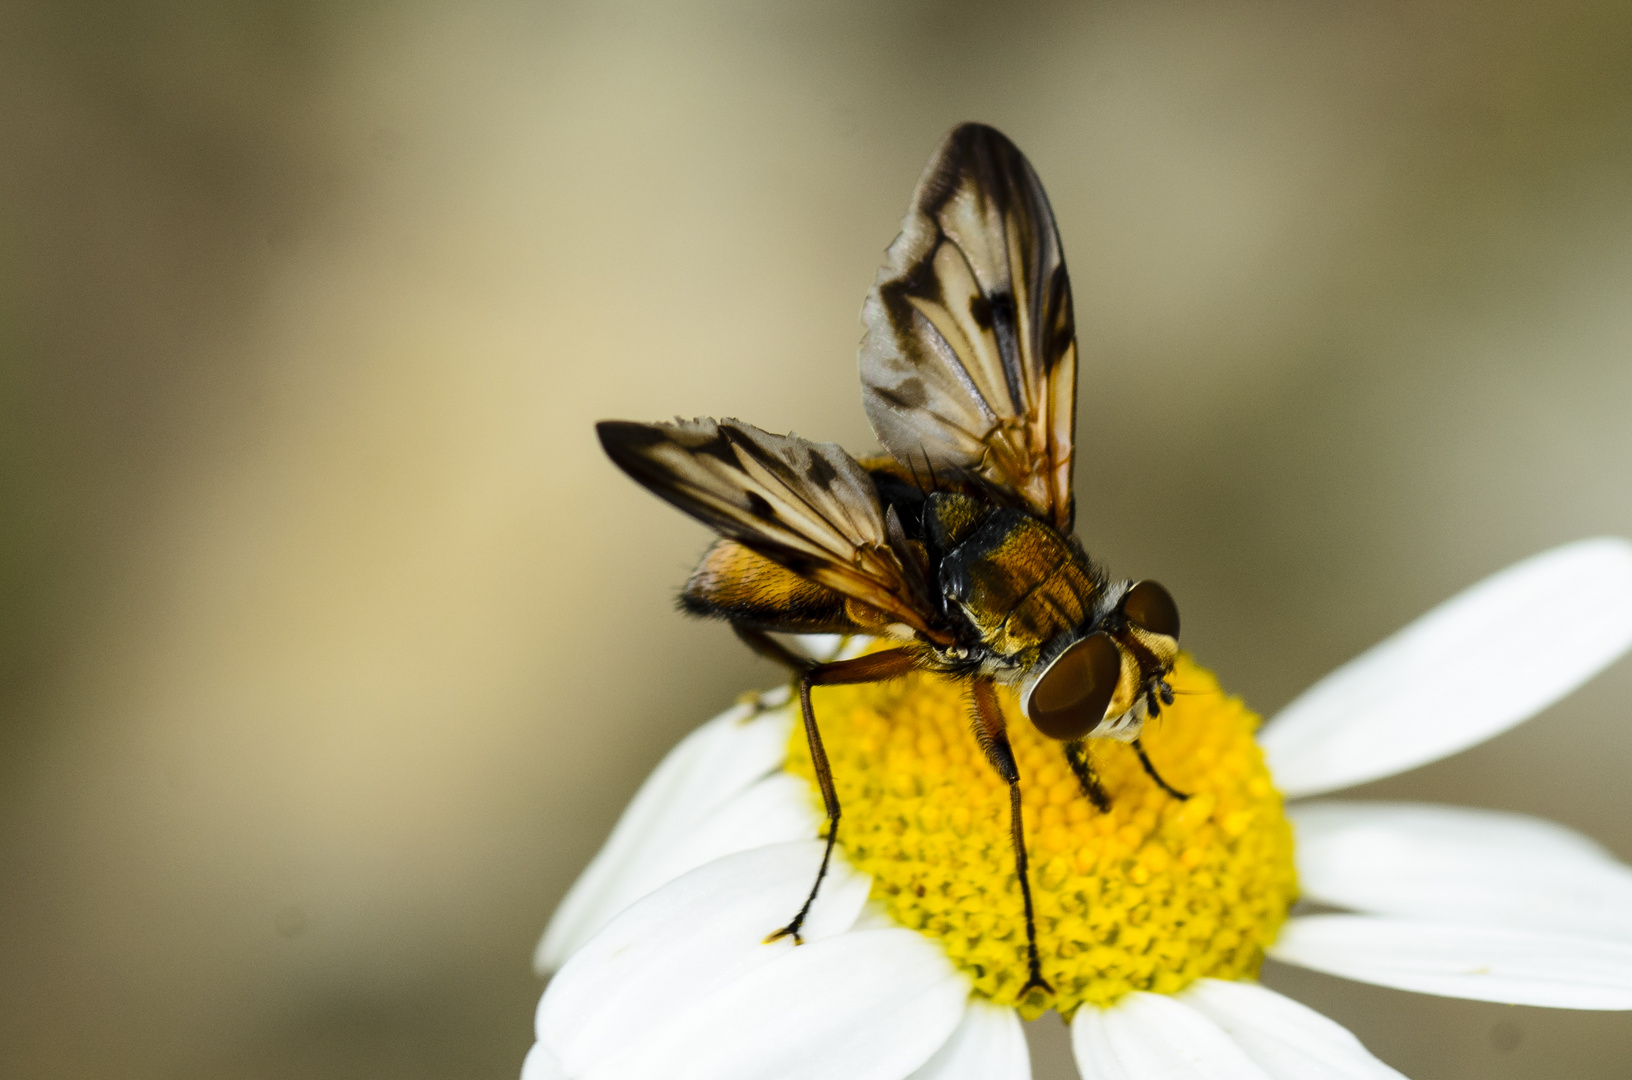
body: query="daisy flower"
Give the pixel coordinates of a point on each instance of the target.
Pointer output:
(1153, 916)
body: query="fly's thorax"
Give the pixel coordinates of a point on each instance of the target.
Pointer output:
(950, 518)
(1018, 583)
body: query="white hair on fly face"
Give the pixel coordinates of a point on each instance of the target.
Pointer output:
(1125, 728)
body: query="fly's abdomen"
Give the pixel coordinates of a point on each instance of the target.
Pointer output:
(1018, 582)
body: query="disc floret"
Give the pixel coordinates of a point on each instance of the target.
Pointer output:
(1150, 895)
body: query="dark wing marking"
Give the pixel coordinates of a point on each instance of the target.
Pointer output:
(805, 505)
(970, 357)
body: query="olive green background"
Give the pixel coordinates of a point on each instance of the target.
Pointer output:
(330, 646)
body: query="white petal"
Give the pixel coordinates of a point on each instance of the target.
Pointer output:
(866, 1005)
(1483, 963)
(1470, 669)
(874, 916)
(1287, 1040)
(708, 767)
(1156, 1037)
(823, 648)
(989, 1044)
(854, 645)
(540, 1064)
(778, 809)
(1450, 864)
(818, 647)
(695, 935)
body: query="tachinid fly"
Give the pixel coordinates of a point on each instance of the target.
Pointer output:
(957, 548)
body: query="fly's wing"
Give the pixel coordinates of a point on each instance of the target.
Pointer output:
(969, 363)
(806, 506)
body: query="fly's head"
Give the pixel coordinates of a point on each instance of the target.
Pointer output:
(1110, 675)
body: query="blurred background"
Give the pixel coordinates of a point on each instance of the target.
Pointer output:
(330, 646)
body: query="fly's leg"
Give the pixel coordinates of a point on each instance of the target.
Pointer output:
(1076, 755)
(773, 650)
(1144, 759)
(874, 667)
(994, 740)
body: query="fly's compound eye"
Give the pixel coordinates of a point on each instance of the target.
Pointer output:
(1150, 607)
(1069, 698)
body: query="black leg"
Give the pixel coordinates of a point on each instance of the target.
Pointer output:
(1076, 755)
(874, 667)
(1144, 759)
(773, 650)
(994, 739)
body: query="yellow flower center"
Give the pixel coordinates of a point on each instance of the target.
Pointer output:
(1151, 895)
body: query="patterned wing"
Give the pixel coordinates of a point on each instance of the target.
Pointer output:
(969, 362)
(806, 506)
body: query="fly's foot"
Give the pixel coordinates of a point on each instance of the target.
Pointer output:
(763, 701)
(1035, 983)
(790, 930)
